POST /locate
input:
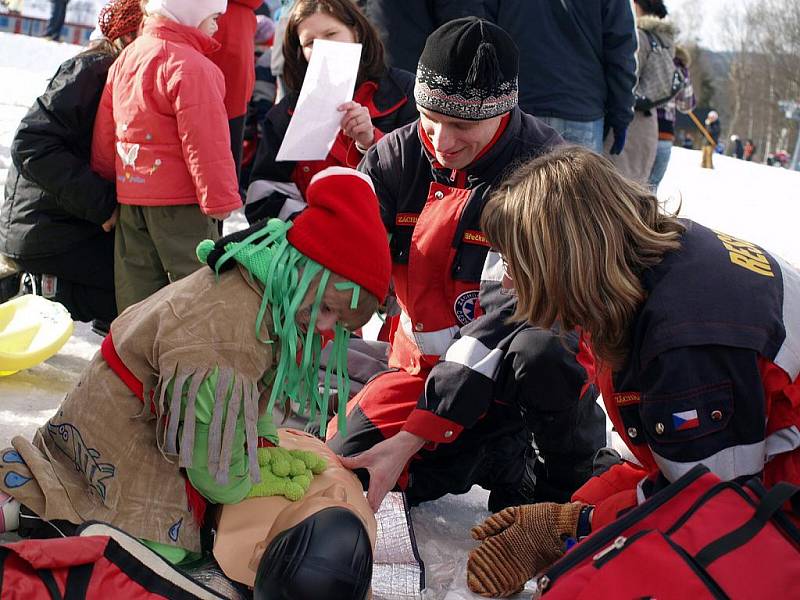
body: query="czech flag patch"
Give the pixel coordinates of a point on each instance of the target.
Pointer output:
(685, 420)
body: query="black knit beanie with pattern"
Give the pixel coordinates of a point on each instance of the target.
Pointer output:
(468, 70)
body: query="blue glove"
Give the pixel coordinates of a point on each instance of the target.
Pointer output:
(619, 140)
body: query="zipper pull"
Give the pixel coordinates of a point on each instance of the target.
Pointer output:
(617, 544)
(540, 586)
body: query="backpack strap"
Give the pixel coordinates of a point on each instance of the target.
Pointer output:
(783, 519)
(769, 505)
(4, 552)
(654, 40)
(46, 575)
(78, 580)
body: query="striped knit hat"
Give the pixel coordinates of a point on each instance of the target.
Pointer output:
(468, 70)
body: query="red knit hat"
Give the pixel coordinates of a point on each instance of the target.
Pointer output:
(119, 17)
(342, 229)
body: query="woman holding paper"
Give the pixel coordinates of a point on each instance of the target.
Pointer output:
(381, 103)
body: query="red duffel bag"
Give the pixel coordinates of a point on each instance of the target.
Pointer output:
(102, 567)
(697, 538)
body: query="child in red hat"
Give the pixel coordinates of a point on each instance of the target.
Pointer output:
(168, 416)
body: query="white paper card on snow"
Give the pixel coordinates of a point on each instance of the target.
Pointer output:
(329, 82)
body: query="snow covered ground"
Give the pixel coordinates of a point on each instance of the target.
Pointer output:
(752, 201)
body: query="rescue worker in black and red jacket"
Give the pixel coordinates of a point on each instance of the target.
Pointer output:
(453, 368)
(696, 339)
(381, 103)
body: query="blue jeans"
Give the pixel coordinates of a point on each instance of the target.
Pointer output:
(663, 153)
(57, 18)
(583, 133)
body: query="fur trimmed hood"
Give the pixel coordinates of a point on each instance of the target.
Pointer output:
(682, 54)
(663, 28)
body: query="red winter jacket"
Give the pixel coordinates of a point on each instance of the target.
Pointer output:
(161, 130)
(236, 58)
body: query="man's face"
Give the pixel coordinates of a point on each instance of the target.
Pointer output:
(456, 142)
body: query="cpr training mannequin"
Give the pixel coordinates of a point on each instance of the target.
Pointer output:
(319, 546)
(211, 354)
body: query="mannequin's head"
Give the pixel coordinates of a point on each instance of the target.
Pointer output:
(326, 555)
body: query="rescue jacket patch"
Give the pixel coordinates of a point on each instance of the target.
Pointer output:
(406, 219)
(746, 254)
(626, 398)
(466, 306)
(476, 237)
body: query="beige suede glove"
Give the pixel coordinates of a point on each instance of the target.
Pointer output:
(517, 543)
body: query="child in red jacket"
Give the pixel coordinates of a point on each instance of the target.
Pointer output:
(236, 60)
(162, 134)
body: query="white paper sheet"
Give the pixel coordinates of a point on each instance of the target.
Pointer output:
(329, 82)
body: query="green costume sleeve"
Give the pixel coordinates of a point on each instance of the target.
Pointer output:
(239, 483)
(266, 428)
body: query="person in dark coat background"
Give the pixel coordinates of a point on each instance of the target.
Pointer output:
(577, 64)
(58, 214)
(737, 147)
(404, 25)
(57, 18)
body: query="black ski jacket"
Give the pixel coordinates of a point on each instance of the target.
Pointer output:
(53, 200)
(577, 58)
(404, 25)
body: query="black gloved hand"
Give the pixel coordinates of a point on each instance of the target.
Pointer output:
(620, 133)
(619, 140)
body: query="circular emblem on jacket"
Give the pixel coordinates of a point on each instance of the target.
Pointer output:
(466, 306)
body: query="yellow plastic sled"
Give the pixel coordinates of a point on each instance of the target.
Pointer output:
(32, 329)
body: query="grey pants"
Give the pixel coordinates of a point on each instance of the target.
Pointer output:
(154, 246)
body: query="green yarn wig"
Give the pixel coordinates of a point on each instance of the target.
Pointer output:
(287, 274)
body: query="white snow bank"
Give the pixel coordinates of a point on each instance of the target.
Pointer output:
(27, 65)
(27, 54)
(748, 200)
